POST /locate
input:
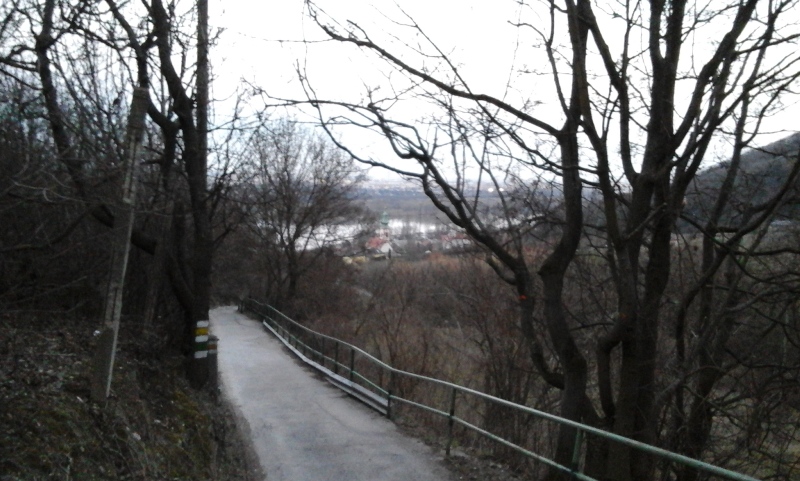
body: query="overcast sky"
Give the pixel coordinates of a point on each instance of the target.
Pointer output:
(263, 42)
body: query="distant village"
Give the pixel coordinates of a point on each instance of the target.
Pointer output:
(413, 240)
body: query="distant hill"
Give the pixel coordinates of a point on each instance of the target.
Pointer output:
(404, 200)
(763, 172)
(400, 200)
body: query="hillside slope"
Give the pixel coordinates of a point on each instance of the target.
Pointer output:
(154, 427)
(763, 172)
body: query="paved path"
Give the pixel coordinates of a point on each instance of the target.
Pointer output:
(303, 428)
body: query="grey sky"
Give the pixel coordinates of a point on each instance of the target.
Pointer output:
(262, 42)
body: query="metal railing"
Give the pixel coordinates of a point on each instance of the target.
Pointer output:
(373, 382)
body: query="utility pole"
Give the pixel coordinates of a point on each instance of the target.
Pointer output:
(103, 362)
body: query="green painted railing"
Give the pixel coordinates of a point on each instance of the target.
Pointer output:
(374, 381)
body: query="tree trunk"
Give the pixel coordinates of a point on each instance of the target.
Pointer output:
(201, 264)
(552, 274)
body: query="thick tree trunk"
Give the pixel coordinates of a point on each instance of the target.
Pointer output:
(194, 132)
(552, 274)
(198, 177)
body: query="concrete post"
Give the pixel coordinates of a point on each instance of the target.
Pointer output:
(213, 374)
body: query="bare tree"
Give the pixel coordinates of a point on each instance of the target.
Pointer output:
(303, 195)
(639, 95)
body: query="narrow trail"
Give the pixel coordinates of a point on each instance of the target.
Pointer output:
(302, 428)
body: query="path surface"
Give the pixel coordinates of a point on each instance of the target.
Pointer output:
(303, 428)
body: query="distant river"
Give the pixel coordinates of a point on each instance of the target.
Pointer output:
(336, 234)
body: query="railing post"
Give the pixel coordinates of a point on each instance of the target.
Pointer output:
(576, 454)
(352, 363)
(389, 389)
(450, 420)
(336, 357)
(322, 351)
(213, 369)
